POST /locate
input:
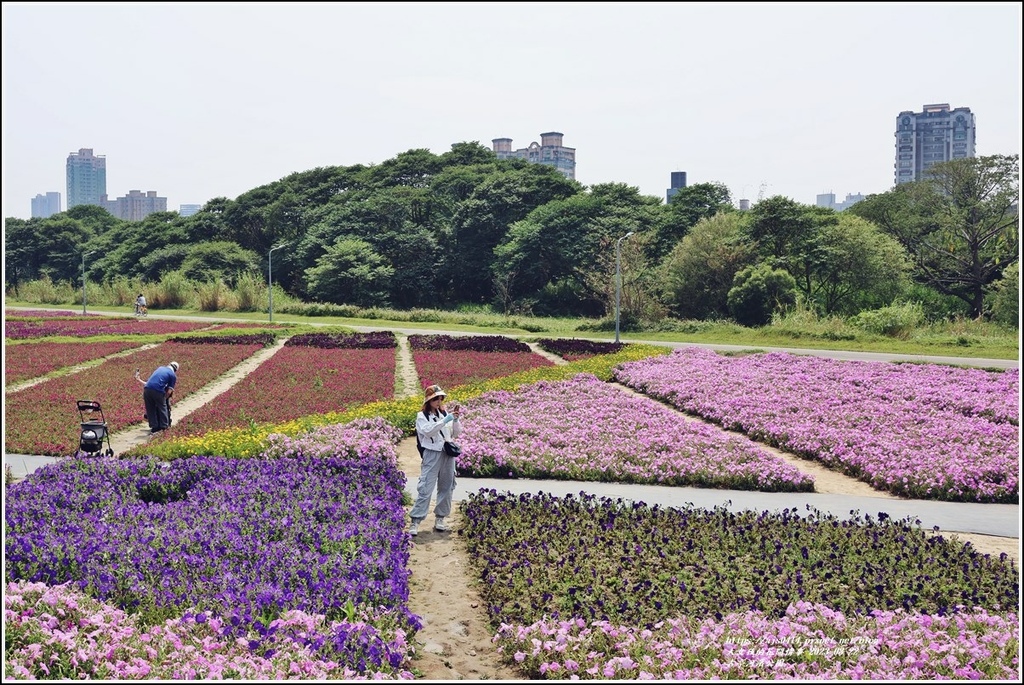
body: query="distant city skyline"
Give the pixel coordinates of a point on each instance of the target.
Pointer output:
(777, 98)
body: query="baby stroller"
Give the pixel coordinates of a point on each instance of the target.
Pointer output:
(94, 431)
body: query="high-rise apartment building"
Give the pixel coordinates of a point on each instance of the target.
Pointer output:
(935, 134)
(87, 178)
(829, 200)
(677, 181)
(135, 206)
(45, 205)
(188, 210)
(549, 151)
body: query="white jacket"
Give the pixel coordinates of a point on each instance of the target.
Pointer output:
(433, 431)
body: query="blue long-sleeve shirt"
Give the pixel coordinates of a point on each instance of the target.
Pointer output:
(162, 379)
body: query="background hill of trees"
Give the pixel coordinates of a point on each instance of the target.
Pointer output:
(465, 228)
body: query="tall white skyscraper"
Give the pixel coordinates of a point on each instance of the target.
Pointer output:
(87, 178)
(935, 134)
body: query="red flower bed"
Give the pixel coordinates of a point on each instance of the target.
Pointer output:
(449, 368)
(22, 362)
(297, 381)
(82, 328)
(246, 324)
(44, 313)
(43, 419)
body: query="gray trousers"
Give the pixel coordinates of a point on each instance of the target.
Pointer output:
(437, 469)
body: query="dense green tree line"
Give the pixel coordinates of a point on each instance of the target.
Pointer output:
(426, 230)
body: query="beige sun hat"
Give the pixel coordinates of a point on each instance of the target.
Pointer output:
(433, 391)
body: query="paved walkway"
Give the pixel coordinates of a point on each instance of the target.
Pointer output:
(1002, 520)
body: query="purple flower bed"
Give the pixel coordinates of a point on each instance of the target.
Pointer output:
(585, 429)
(473, 343)
(572, 349)
(916, 431)
(316, 527)
(374, 340)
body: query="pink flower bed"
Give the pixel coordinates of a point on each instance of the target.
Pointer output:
(919, 431)
(585, 429)
(21, 330)
(812, 642)
(297, 381)
(43, 419)
(449, 368)
(32, 360)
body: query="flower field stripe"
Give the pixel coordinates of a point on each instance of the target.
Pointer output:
(586, 429)
(33, 360)
(922, 431)
(294, 382)
(449, 368)
(450, 360)
(20, 330)
(572, 349)
(813, 642)
(316, 525)
(43, 419)
(32, 314)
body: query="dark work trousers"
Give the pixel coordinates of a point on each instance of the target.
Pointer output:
(157, 409)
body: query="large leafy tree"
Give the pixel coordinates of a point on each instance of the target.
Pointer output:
(23, 260)
(218, 261)
(689, 206)
(960, 224)
(482, 221)
(697, 275)
(411, 169)
(839, 262)
(782, 230)
(856, 266)
(350, 272)
(51, 247)
(148, 249)
(558, 245)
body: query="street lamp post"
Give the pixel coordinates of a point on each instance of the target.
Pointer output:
(618, 281)
(270, 280)
(84, 255)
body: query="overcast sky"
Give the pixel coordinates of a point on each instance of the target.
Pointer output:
(204, 100)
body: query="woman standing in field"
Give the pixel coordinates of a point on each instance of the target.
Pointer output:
(434, 427)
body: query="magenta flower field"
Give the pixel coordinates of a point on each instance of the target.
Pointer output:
(84, 328)
(921, 431)
(295, 382)
(43, 419)
(32, 360)
(585, 429)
